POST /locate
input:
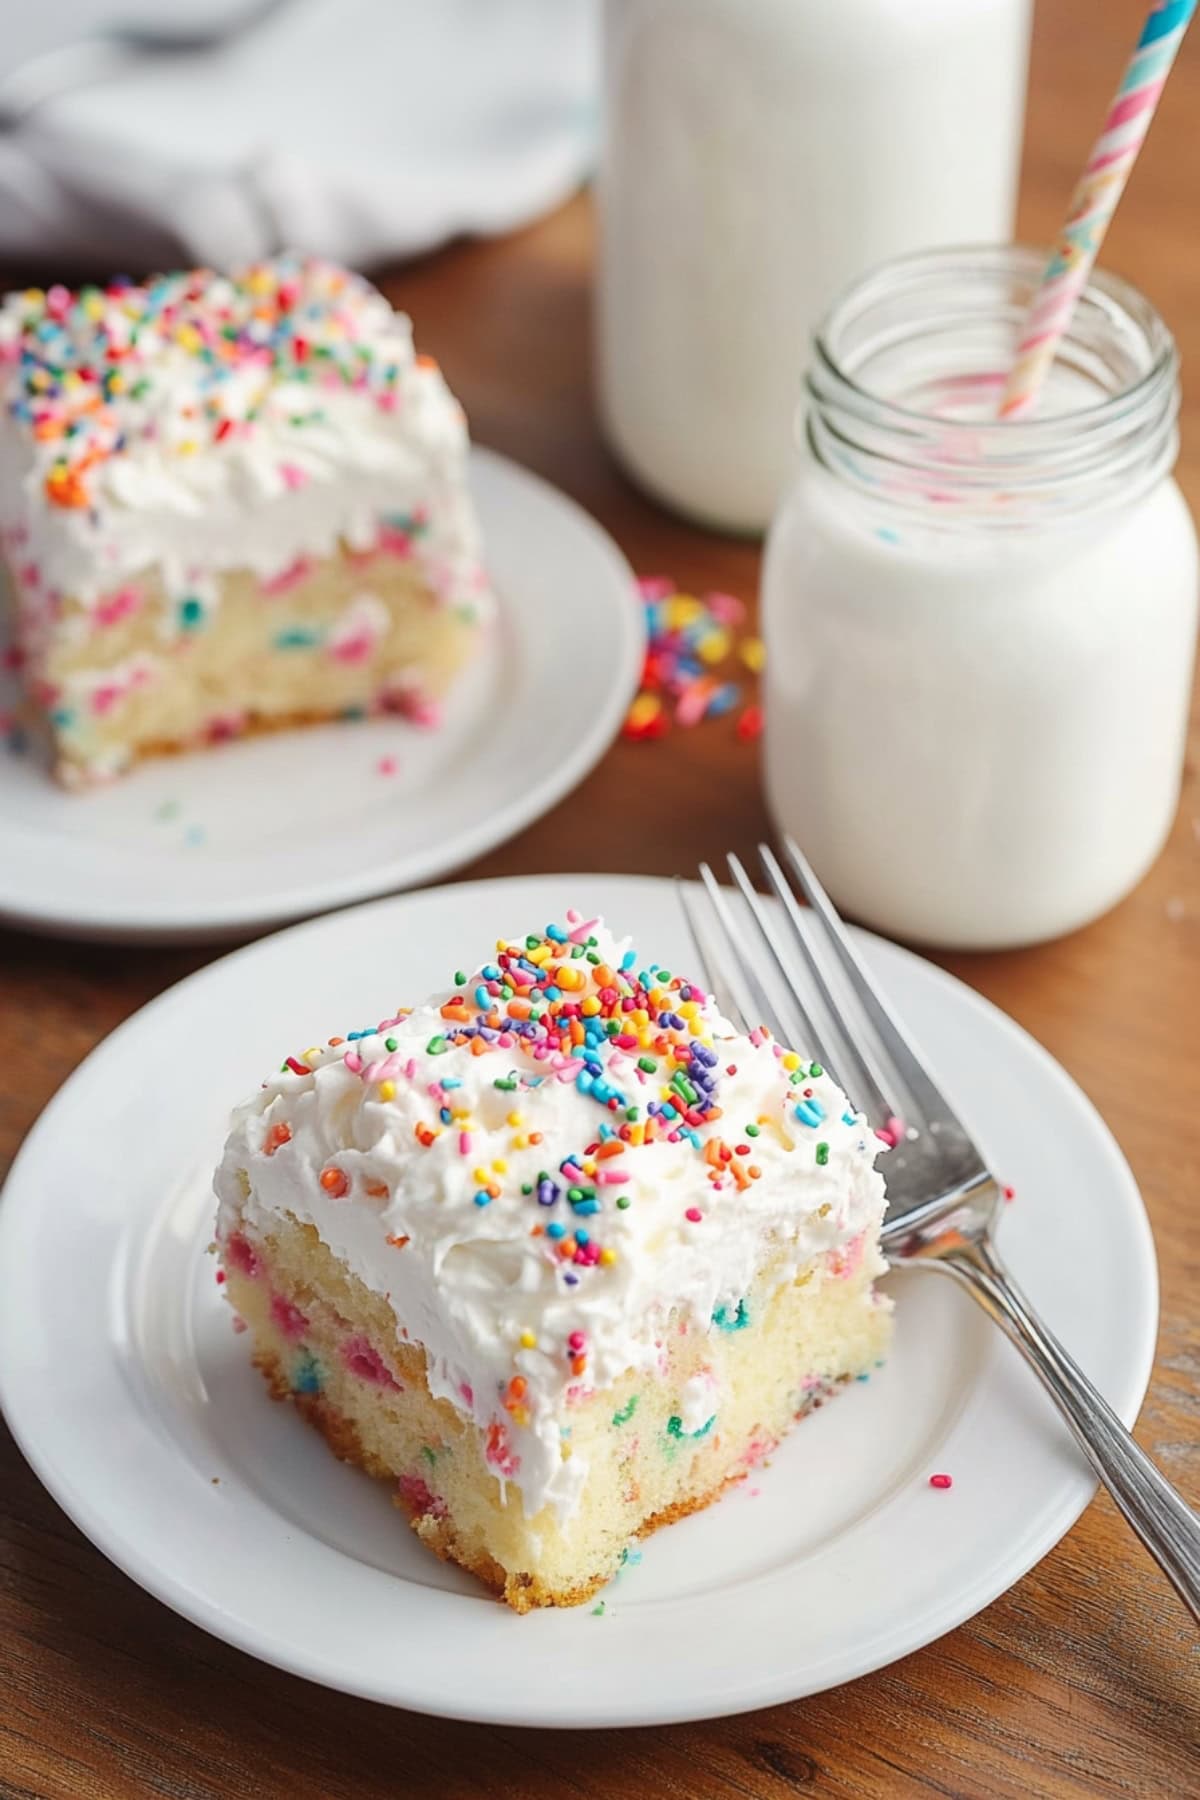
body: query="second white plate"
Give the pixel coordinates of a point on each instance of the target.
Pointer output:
(138, 1406)
(250, 834)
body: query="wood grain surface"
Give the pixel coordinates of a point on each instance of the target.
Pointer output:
(1083, 1680)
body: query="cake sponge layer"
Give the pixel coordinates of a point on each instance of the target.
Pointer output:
(658, 1443)
(335, 637)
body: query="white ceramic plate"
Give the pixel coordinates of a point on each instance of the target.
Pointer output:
(251, 834)
(137, 1405)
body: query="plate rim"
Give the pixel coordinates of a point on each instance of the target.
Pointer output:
(1077, 1487)
(144, 919)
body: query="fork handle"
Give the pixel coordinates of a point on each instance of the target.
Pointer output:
(1168, 1527)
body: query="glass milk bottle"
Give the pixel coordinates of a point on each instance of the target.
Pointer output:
(980, 635)
(759, 155)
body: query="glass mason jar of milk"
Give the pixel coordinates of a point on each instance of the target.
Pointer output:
(759, 155)
(980, 635)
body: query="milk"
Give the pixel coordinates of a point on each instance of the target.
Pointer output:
(760, 154)
(976, 708)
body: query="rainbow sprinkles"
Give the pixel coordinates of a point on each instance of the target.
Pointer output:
(559, 1253)
(228, 503)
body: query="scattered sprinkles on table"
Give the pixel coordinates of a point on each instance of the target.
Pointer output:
(687, 677)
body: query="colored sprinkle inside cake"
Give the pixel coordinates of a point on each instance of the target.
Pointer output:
(558, 1254)
(227, 504)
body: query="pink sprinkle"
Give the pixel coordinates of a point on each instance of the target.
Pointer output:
(118, 606)
(289, 1319)
(418, 1499)
(292, 476)
(467, 1392)
(1009, 1193)
(353, 1062)
(892, 1132)
(941, 1481)
(656, 587)
(464, 1143)
(287, 578)
(576, 1341)
(388, 765)
(105, 698)
(363, 1360)
(242, 1255)
(726, 607)
(239, 1324)
(694, 1214)
(611, 1178)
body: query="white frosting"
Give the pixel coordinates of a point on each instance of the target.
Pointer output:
(469, 1280)
(317, 424)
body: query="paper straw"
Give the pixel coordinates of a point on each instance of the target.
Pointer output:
(1094, 202)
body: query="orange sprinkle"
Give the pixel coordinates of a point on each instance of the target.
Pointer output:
(335, 1182)
(613, 1147)
(478, 1046)
(399, 1242)
(454, 1009)
(519, 1009)
(278, 1135)
(578, 1365)
(378, 1190)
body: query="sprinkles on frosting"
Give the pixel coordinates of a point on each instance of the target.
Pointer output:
(87, 372)
(635, 1039)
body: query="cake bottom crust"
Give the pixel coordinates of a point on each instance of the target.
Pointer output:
(657, 1445)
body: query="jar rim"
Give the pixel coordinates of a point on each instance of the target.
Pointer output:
(999, 260)
(949, 313)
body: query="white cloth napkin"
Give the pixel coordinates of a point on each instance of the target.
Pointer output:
(360, 130)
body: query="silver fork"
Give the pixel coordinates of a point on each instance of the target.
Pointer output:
(801, 976)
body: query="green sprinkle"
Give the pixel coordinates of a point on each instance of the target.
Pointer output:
(429, 1453)
(437, 1045)
(390, 1044)
(593, 957)
(527, 1187)
(191, 613)
(675, 1428)
(598, 1611)
(505, 1083)
(816, 1070)
(647, 1065)
(822, 1154)
(750, 1130)
(738, 1322)
(623, 1202)
(626, 1412)
(297, 637)
(633, 1114)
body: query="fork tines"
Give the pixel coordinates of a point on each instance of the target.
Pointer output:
(797, 971)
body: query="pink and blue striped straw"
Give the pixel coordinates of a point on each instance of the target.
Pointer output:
(1094, 202)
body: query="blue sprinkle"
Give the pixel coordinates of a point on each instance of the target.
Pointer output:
(628, 960)
(810, 1112)
(848, 1118)
(556, 1230)
(482, 1199)
(556, 934)
(451, 1081)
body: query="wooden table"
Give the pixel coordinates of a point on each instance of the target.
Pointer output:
(1084, 1679)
